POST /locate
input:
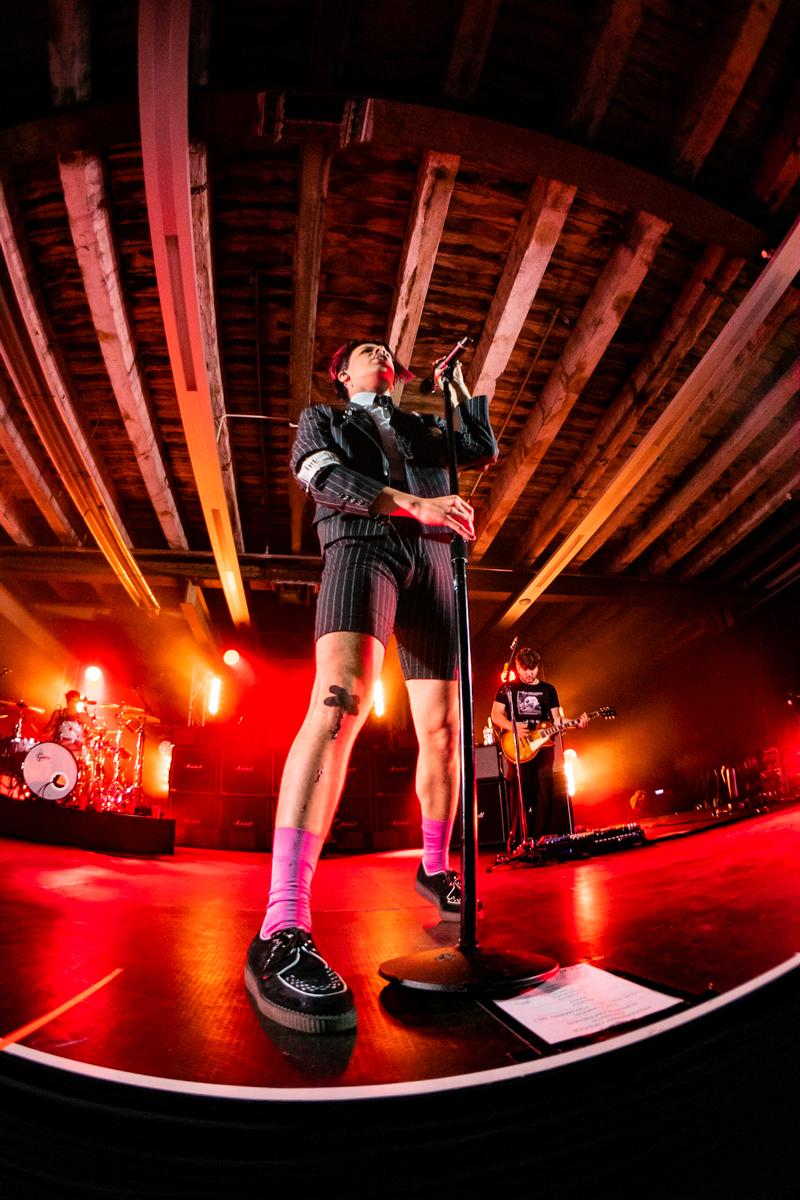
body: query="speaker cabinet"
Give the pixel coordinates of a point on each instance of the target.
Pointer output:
(352, 824)
(488, 762)
(197, 818)
(246, 772)
(491, 812)
(246, 822)
(194, 769)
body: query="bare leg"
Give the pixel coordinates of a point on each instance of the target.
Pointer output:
(434, 709)
(347, 666)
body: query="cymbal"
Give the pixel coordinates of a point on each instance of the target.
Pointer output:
(20, 704)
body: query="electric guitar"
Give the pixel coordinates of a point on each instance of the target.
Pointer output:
(532, 740)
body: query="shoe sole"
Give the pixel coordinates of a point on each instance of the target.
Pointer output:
(431, 898)
(300, 1022)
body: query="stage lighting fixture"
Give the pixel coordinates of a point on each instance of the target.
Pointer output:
(231, 658)
(93, 674)
(378, 701)
(214, 691)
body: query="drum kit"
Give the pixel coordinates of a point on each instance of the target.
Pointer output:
(87, 766)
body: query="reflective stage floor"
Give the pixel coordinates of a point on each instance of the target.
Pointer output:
(148, 952)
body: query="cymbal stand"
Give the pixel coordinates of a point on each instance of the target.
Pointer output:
(114, 794)
(134, 793)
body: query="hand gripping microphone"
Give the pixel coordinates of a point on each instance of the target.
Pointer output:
(428, 385)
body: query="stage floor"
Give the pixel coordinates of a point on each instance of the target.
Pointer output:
(165, 939)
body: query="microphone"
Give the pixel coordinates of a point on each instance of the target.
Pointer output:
(428, 385)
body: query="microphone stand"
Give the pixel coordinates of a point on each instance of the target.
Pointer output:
(525, 849)
(466, 968)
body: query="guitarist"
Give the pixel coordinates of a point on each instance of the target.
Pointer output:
(535, 703)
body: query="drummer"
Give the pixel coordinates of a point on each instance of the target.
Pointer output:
(70, 725)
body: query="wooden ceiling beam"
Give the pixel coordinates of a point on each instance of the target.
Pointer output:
(23, 462)
(204, 267)
(13, 521)
(601, 317)
(315, 161)
(531, 249)
(609, 56)
(765, 293)
(20, 616)
(707, 407)
(667, 513)
(195, 611)
(434, 187)
(527, 153)
(69, 46)
(728, 65)
(164, 113)
(87, 204)
(470, 47)
(778, 469)
(685, 323)
(27, 346)
(780, 165)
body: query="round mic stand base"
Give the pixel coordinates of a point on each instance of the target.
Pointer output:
(474, 972)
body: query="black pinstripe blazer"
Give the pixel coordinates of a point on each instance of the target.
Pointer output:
(339, 460)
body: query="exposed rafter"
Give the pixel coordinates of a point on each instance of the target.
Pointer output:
(19, 615)
(88, 212)
(605, 67)
(470, 47)
(767, 291)
(315, 158)
(435, 180)
(69, 50)
(20, 456)
(691, 434)
(727, 68)
(767, 409)
(686, 321)
(27, 347)
(531, 250)
(203, 258)
(163, 98)
(597, 324)
(777, 472)
(14, 522)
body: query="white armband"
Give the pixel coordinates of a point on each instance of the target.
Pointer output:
(314, 463)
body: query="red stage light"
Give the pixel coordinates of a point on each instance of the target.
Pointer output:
(231, 658)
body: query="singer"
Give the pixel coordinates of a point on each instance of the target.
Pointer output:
(384, 518)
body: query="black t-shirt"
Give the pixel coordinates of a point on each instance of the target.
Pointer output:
(532, 701)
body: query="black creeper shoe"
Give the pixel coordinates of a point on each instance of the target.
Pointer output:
(290, 982)
(442, 888)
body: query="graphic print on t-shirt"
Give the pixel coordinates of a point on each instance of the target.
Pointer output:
(528, 705)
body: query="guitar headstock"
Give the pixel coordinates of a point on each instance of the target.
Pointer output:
(608, 713)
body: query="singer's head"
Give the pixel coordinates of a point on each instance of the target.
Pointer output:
(365, 367)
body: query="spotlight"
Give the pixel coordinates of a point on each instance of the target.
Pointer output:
(214, 691)
(378, 702)
(93, 674)
(231, 658)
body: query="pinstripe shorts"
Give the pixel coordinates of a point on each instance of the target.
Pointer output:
(401, 583)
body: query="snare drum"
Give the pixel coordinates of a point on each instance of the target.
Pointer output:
(50, 771)
(69, 732)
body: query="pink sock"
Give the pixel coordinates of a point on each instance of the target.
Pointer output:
(435, 844)
(294, 859)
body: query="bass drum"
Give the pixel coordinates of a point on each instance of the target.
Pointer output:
(50, 771)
